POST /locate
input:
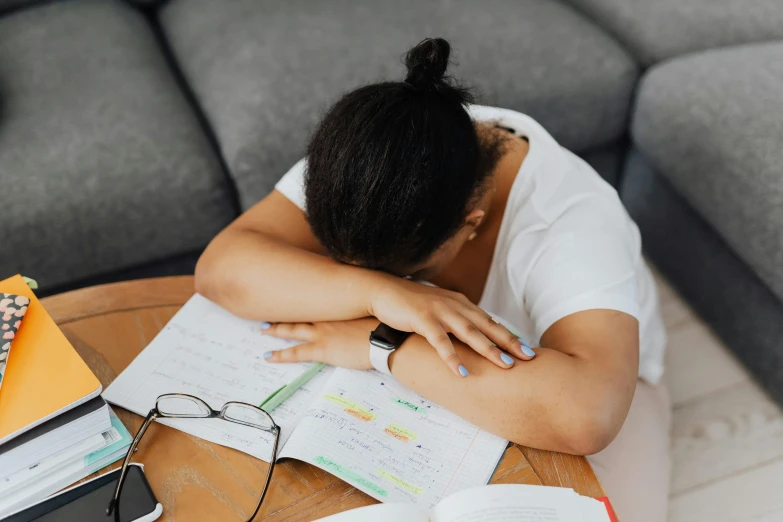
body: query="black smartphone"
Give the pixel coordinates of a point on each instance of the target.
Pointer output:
(87, 502)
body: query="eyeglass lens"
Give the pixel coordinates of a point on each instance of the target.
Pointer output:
(182, 406)
(248, 415)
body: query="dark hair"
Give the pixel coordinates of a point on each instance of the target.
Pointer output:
(393, 168)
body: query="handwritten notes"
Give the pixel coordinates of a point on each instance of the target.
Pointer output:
(361, 426)
(207, 352)
(373, 432)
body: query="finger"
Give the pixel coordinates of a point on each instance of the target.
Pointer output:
(439, 339)
(468, 333)
(500, 335)
(295, 331)
(300, 353)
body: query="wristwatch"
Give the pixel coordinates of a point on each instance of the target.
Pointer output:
(383, 341)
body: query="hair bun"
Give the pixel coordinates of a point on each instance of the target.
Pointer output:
(427, 63)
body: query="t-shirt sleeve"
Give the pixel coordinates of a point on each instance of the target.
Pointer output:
(580, 266)
(291, 185)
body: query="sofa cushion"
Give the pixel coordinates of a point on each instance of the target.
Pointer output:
(103, 163)
(721, 288)
(658, 29)
(713, 124)
(264, 71)
(8, 5)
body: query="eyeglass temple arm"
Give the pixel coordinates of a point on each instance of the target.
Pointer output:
(151, 416)
(268, 474)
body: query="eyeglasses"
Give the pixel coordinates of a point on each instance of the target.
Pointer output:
(183, 406)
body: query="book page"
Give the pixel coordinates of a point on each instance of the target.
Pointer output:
(207, 352)
(380, 513)
(593, 510)
(518, 503)
(386, 440)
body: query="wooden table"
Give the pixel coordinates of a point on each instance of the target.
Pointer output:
(196, 480)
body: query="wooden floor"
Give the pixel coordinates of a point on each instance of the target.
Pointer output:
(727, 435)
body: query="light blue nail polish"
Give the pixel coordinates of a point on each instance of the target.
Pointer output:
(463, 371)
(265, 325)
(506, 358)
(526, 349)
(267, 355)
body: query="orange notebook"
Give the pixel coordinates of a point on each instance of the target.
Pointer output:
(44, 376)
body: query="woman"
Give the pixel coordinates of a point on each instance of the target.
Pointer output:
(406, 180)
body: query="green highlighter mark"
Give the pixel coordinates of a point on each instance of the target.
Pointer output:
(409, 405)
(349, 475)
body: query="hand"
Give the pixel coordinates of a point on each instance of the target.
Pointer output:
(434, 313)
(339, 343)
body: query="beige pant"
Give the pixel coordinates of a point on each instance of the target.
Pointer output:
(634, 468)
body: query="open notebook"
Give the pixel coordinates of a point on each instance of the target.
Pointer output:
(497, 503)
(361, 426)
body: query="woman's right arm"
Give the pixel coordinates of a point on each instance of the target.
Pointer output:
(267, 265)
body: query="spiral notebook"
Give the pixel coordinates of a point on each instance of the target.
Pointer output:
(361, 426)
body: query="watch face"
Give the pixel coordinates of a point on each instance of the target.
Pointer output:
(387, 338)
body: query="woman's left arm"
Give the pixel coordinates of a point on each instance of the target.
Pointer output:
(573, 397)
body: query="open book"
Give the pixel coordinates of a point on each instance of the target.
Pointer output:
(497, 503)
(361, 426)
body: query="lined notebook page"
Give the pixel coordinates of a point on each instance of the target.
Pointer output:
(207, 352)
(377, 435)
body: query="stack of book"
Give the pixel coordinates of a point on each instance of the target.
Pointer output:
(55, 429)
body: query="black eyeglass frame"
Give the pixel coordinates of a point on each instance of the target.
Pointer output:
(155, 413)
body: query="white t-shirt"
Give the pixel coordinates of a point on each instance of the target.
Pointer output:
(566, 244)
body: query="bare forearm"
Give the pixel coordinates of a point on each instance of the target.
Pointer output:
(555, 401)
(261, 278)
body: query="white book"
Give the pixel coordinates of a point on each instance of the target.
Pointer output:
(361, 426)
(496, 503)
(28, 476)
(54, 436)
(50, 475)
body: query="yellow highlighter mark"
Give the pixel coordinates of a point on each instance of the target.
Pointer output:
(397, 481)
(351, 408)
(400, 433)
(397, 436)
(341, 401)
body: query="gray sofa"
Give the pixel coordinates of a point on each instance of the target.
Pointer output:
(704, 174)
(132, 132)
